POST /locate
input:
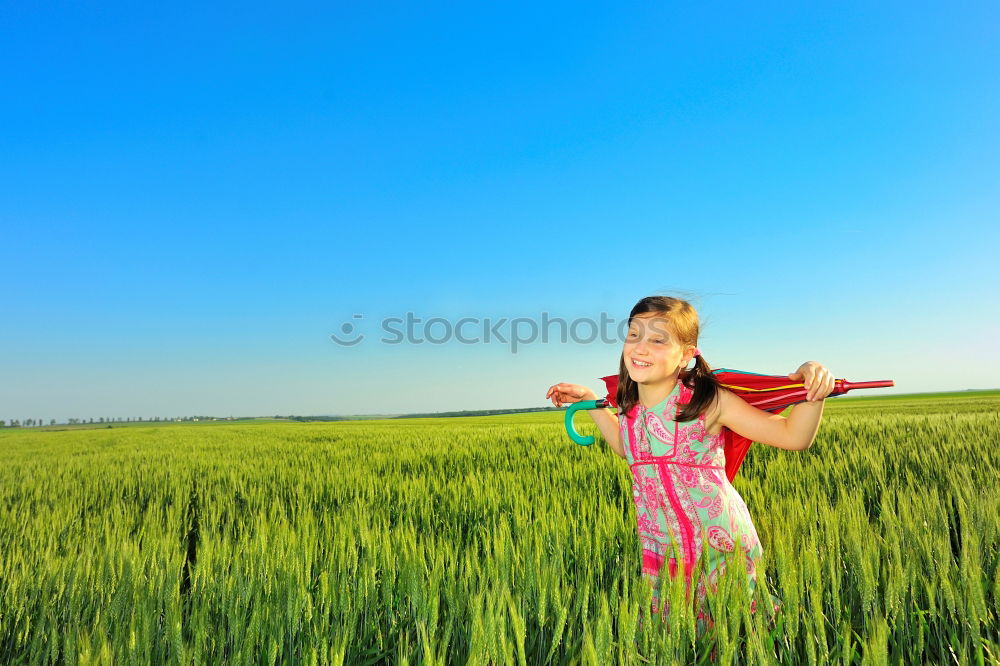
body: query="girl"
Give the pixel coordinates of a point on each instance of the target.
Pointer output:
(671, 437)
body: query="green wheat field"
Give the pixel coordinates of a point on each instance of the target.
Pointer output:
(488, 540)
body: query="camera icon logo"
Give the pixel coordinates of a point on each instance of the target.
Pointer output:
(347, 328)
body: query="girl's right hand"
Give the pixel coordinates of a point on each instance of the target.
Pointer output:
(566, 393)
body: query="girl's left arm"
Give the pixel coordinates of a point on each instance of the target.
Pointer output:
(794, 433)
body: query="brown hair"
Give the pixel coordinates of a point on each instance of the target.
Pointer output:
(683, 322)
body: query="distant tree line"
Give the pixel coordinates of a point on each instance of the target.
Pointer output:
(315, 418)
(104, 420)
(26, 423)
(477, 412)
(101, 420)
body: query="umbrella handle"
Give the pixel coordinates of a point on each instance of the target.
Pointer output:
(571, 410)
(849, 386)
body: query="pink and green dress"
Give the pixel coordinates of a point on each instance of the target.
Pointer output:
(682, 495)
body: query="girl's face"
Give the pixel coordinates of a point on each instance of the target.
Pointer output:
(651, 352)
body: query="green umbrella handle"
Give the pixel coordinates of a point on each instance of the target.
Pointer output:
(571, 410)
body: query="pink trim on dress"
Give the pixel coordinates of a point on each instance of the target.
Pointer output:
(652, 563)
(687, 529)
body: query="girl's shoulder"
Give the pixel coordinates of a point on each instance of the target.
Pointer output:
(714, 409)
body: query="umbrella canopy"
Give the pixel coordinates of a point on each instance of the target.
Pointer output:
(772, 393)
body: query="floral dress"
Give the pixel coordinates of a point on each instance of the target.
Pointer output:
(682, 496)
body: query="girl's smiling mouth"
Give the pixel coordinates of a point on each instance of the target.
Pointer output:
(636, 363)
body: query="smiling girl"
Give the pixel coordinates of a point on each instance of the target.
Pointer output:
(671, 435)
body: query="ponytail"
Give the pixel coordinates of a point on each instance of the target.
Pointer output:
(628, 391)
(704, 386)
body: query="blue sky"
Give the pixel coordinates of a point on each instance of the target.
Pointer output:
(194, 198)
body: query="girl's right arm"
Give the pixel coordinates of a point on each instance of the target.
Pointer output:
(606, 421)
(795, 432)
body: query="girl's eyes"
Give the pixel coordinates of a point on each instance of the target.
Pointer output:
(658, 341)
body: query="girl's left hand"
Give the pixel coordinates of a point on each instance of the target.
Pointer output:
(817, 379)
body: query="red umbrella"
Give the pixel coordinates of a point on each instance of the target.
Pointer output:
(772, 393)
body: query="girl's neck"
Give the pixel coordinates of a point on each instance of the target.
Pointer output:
(650, 395)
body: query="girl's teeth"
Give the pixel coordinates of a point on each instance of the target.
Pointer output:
(641, 364)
